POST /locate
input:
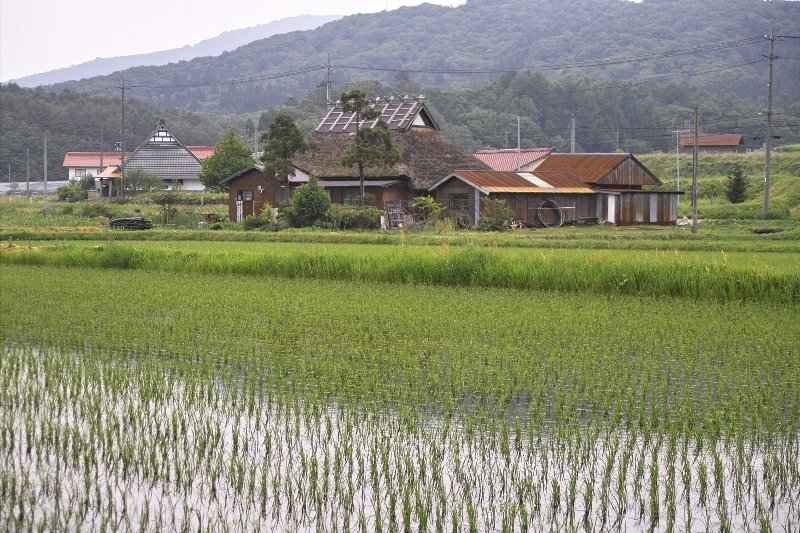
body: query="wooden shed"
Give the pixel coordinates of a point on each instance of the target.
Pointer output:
(250, 190)
(562, 189)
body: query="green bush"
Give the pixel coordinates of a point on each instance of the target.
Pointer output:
(72, 192)
(310, 205)
(87, 183)
(187, 198)
(495, 215)
(427, 210)
(354, 217)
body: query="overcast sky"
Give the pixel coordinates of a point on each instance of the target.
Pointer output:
(40, 35)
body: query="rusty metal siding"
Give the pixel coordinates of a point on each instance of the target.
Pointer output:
(647, 208)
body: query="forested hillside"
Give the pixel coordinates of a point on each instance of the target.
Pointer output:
(74, 122)
(609, 117)
(718, 46)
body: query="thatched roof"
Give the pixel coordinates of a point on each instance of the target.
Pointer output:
(425, 158)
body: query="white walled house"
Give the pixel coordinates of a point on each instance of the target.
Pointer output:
(81, 164)
(161, 154)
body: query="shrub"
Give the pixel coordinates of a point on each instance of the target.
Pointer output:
(95, 210)
(427, 209)
(354, 217)
(255, 222)
(310, 205)
(87, 183)
(72, 192)
(495, 215)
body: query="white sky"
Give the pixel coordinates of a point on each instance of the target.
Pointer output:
(41, 35)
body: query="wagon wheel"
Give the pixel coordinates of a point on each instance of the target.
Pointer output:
(552, 207)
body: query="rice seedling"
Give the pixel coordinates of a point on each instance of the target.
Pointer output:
(138, 400)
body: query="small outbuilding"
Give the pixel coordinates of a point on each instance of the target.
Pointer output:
(714, 142)
(562, 189)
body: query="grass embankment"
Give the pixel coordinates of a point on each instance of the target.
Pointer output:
(745, 236)
(713, 173)
(768, 277)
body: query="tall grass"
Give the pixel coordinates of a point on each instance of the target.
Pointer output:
(461, 267)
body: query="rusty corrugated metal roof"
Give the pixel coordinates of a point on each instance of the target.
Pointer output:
(491, 181)
(713, 139)
(512, 160)
(583, 168)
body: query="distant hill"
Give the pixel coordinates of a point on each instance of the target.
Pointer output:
(74, 122)
(719, 45)
(225, 42)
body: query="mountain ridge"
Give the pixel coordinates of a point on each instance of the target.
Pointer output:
(224, 42)
(494, 35)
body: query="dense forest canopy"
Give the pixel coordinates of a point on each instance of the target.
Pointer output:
(717, 44)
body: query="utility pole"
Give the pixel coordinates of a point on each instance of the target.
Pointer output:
(102, 153)
(768, 145)
(519, 144)
(28, 172)
(45, 171)
(572, 135)
(328, 80)
(678, 134)
(9, 172)
(122, 141)
(695, 163)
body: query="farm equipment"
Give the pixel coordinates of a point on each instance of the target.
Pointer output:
(131, 223)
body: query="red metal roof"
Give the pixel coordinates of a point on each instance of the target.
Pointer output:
(92, 159)
(713, 139)
(201, 152)
(512, 160)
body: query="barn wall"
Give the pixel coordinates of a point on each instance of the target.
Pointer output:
(251, 181)
(445, 193)
(630, 173)
(647, 208)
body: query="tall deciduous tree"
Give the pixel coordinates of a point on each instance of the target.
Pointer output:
(372, 147)
(231, 155)
(281, 143)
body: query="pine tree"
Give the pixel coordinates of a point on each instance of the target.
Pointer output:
(736, 187)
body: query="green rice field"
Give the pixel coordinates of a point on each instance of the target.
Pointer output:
(162, 387)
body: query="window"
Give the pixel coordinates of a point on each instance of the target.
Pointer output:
(245, 196)
(80, 173)
(353, 197)
(458, 202)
